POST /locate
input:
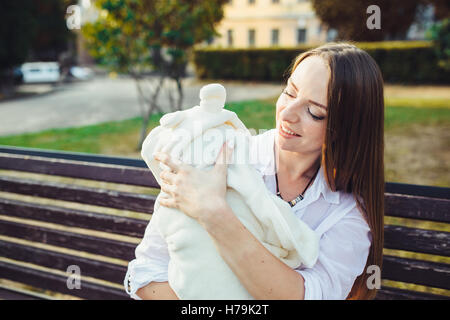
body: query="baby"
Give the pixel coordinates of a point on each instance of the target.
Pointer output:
(195, 136)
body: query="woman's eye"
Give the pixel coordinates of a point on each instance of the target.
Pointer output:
(288, 94)
(315, 117)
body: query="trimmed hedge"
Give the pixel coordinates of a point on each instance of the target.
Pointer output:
(399, 61)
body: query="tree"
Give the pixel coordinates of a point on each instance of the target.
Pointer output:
(440, 34)
(17, 26)
(30, 30)
(51, 35)
(150, 40)
(441, 9)
(349, 18)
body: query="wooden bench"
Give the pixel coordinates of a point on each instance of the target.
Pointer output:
(47, 226)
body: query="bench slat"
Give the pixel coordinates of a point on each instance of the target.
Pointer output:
(427, 273)
(388, 293)
(415, 207)
(417, 240)
(6, 294)
(74, 218)
(60, 261)
(58, 283)
(81, 170)
(93, 196)
(106, 247)
(417, 190)
(74, 156)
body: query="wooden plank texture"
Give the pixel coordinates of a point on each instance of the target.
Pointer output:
(60, 261)
(82, 170)
(92, 196)
(417, 240)
(6, 294)
(416, 207)
(74, 156)
(74, 218)
(387, 293)
(426, 273)
(58, 283)
(95, 245)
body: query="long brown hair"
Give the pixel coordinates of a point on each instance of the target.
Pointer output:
(353, 149)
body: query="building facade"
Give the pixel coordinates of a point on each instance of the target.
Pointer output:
(269, 23)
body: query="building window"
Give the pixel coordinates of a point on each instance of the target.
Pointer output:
(275, 36)
(301, 35)
(251, 1)
(275, 1)
(230, 37)
(251, 37)
(331, 35)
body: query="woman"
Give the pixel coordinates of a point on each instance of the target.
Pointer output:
(325, 158)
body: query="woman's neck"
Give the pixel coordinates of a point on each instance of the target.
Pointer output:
(297, 165)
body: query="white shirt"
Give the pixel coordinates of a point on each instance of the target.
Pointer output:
(344, 235)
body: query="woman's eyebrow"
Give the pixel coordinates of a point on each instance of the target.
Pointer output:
(317, 104)
(292, 84)
(311, 101)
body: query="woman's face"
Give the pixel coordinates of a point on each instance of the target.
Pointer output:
(302, 108)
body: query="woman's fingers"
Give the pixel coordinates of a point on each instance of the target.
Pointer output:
(167, 202)
(173, 164)
(225, 155)
(168, 188)
(168, 177)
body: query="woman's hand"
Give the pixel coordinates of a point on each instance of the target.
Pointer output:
(195, 192)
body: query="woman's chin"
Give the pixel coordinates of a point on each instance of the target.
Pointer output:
(287, 144)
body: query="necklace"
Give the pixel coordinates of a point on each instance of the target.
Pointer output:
(300, 197)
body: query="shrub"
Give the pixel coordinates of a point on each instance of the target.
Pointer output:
(399, 61)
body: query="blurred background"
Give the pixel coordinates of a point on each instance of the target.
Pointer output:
(96, 76)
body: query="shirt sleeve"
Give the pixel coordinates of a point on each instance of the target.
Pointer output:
(344, 249)
(151, 263)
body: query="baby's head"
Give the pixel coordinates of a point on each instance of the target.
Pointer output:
(212, 97)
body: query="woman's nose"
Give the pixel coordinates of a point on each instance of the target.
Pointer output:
(290, 113)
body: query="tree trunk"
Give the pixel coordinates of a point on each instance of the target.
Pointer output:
(152, 106)
(143, 133)
(180, 94)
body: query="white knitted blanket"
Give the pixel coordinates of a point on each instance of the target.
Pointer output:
(195, 136)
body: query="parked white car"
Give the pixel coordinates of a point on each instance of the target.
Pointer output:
(81, 73)
(35, 72)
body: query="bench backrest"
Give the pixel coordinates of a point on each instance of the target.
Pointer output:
(39, 241)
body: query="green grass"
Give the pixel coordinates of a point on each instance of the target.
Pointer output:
(396, 117)
(256, 114)
(92, 139)
(440, 103)
(80, 139)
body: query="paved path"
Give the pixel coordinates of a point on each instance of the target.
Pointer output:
(103, 99)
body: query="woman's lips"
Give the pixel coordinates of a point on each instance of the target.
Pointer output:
(286, 134)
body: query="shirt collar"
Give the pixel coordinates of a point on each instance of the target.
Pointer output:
(319, 186)
(322, 187)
